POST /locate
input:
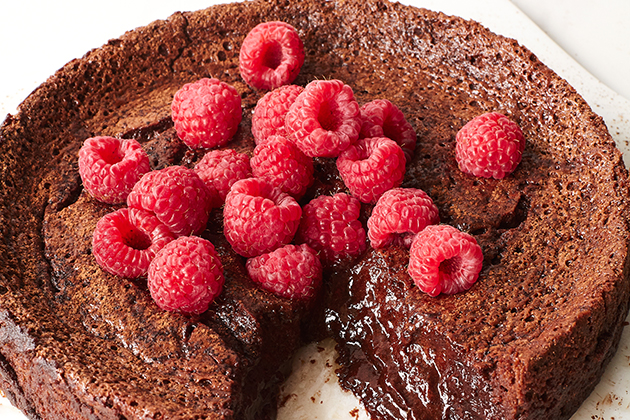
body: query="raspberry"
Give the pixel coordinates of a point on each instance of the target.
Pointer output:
(325, 119)
(399, 215)
(292, 271)
(489, 146)
(206, 113)
(186, 276)
(443, 259)
(220, 169)
(259, 218)
(381, 118)
(331, 226)
(371, 167)
(271, 55)
(110, 167)
(271, 110)
(177, 196)
(283, 164)
(125, 247)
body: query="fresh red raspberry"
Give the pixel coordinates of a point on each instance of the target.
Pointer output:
(399, 215)
(325, 119)
(110, 167)
(271, 55)
(330, 225)
(126, 247)
(283, 164)
(271, 110)
(371, 167)
(177, 196)
(259, 218)
(381, 118)
(220, 169)
(489, 146)
(293, 271)
(443, 259)
(206, 113)
(186, 276)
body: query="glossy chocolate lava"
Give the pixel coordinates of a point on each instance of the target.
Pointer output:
(529, 340)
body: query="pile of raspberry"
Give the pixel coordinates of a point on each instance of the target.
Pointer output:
(287, 245)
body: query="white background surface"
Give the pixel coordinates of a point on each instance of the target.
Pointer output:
(595, 33)
(39, 36)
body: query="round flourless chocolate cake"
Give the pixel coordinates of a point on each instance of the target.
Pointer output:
(530, 340)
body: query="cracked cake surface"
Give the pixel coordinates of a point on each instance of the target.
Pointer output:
(530, 339)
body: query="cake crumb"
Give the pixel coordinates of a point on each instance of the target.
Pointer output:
(283, 402)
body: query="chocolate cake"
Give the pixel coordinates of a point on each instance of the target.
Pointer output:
(529, 340)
